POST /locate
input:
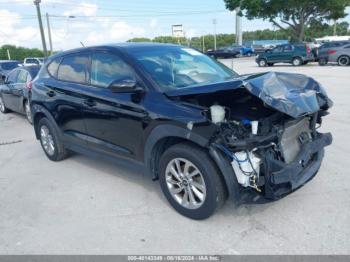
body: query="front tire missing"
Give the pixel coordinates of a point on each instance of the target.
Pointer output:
(206, 191)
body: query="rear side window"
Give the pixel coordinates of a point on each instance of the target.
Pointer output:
(53, 67)
(74, 68)
(12, 77)
(22, 76)
(106, 68)
(347, 47)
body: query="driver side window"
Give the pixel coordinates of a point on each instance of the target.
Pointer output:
(277, 49)
(106, 68)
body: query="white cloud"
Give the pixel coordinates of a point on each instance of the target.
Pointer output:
(84, 8)
(153, 23)
(8, 21)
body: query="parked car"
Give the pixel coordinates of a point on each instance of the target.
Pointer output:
(204, 131)
(295, 54)
(225, 52)
(6, 66)
(243, 50)
(15, 92)
(258, 48)
(334, 52)
(33, 61)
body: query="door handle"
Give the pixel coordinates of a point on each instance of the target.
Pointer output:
(90, 102)
(51, 93)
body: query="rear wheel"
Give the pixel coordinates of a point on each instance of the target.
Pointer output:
(343, 60)
(262, 62)
(50, 141)
(3, 108)
(249, 54)
(191, 182)
(297, 61)
(28, 111)
(322, 61)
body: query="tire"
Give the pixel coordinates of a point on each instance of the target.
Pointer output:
(209, 184)
(262, 62)
(28, 111)
(344, 60)
(322, 61)
(297, 61)
(3, 108)
(51, 140)
(249, 54)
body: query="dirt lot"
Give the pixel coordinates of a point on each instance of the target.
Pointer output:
(89, 206)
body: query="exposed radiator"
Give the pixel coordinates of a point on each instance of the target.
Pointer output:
(293, 135)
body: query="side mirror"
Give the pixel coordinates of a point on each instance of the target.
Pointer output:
(125, 85)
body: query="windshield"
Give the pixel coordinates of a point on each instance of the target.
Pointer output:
(180, 67)
(9, 65)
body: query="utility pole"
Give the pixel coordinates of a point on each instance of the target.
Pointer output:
(203, 45)
(49, 32)
(214, 23)
(335, 28)
(239, 36)
(37, 4)
(8, 54)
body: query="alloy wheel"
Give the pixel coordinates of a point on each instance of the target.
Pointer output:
(297, 62)
(47, 140)
(185, 183)
(28, 111)
(344, 61)
(2, 106)
(262, 62)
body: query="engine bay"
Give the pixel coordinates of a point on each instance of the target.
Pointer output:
(257, 139)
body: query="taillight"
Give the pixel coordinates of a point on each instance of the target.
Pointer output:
(332, 52)
(29, 85)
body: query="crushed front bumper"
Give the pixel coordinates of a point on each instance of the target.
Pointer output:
(282, 178)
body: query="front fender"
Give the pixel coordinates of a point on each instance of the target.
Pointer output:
(165, 131)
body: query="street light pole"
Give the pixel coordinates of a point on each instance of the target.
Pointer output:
(49, 32)
(214, 23)
(37, 4)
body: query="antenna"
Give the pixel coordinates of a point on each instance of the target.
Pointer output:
(82, 44)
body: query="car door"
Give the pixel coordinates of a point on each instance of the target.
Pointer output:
(288, 53)
(17, 90)
(7, 93)
(114, 121)
(275, 55)
(64, 95)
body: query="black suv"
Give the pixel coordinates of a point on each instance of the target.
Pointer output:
(204, 131)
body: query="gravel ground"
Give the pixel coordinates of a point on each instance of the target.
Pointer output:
(89, 206)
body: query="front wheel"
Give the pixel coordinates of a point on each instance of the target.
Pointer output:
(191, 182)
(262, 62)
(344, 60)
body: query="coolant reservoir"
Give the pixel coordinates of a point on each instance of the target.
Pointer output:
(217, 113)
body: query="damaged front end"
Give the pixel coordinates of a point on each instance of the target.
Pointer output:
(266, 129)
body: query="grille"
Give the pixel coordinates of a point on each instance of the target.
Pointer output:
(294, 133)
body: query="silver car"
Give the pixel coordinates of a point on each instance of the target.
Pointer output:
(337, 52)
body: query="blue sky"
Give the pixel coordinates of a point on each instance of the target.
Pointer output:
(101, 21)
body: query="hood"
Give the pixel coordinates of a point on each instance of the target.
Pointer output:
(293, 94)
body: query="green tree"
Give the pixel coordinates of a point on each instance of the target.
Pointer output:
(293, 15)
(19, 53)
(140, 39)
